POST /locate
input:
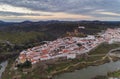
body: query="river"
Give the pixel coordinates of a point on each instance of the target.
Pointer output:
(90, 72)
(4, 65)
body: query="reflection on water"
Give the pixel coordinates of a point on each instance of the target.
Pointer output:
(91, 71)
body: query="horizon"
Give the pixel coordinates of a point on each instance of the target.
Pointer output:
(19, 21)
(68, 10)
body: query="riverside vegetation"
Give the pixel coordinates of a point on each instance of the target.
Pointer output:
(15, 37)
(44, 71)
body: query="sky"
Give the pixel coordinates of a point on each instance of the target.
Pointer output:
(71, 10)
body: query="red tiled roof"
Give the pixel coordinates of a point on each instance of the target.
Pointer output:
(65, 51)
(44, 56)
(45, 51)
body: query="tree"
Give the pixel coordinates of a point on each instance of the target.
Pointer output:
(79, 44)
(26, 64)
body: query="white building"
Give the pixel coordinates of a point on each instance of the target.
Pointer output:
(71, 56)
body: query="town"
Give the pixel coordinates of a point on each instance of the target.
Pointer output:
(68, 47)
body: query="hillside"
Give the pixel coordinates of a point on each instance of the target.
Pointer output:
(17, 36)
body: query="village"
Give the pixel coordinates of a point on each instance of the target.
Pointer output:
(68, 47)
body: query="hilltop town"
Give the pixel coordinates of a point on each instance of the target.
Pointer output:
(68, 47)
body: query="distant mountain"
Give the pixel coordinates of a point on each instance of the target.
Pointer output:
(1, 22)
(56, 27)
(27, 21)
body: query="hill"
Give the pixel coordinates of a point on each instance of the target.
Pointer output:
(23, 35)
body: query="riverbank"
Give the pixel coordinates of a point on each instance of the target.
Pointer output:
(81, 65)
(91, 72)
(110, 75)
(47, 70)
(3, 66)
(94, 58)
(115, 74)
(44, 74)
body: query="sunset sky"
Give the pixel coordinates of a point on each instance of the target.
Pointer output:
(34, 10)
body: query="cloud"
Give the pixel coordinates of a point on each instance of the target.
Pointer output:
(93, 8)
(64, 5)
(6, 9)
(110, 13)
(4, 13)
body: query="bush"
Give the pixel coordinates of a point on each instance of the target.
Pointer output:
(26, 64)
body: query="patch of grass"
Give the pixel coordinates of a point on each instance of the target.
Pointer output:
(104, 48)
(114, 74)
(90, 59)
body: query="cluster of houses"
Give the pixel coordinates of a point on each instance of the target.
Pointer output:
(112, 35)
(68, 47)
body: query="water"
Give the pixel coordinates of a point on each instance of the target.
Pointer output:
(4, 65)
(91, 71)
